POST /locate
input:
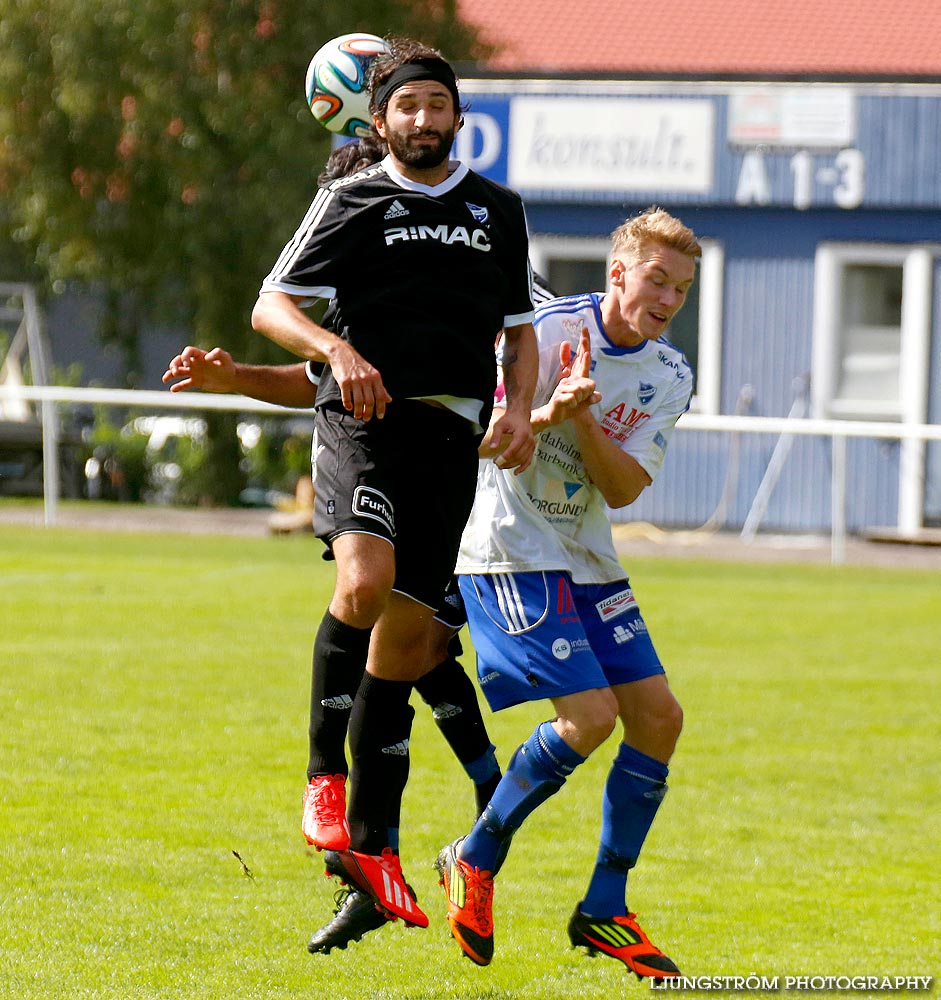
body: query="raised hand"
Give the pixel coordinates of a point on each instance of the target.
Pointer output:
(194, 368)
(575, 391)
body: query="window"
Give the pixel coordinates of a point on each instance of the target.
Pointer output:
(580, 264)
(872, 325)
(571, 264)
(871, 336)
(871, 329)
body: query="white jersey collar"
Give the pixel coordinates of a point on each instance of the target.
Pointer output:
(458, 171)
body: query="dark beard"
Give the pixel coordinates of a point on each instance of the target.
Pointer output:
(421, 157)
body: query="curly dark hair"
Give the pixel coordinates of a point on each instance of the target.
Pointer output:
(352, 156)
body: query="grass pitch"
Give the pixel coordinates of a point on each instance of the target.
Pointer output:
(154, 693)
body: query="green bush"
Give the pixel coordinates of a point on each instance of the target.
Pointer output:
(202, 462)
(120, 454)
(279, 457)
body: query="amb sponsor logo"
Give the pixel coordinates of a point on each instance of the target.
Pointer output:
(620, 422)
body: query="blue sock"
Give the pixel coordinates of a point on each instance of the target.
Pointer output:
(633, 792)
(484, 767)
(537, 771)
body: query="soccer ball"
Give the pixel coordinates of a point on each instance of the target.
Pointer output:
(336, 82)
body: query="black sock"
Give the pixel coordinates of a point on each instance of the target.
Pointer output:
(453, 700)
(380, 726)
(339, 662)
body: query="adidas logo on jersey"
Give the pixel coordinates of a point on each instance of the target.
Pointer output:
(396, 210)
(397, 749)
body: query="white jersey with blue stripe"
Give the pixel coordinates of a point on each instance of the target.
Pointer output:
(552, 516)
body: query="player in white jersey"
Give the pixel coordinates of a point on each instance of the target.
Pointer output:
(550, 608)
(644, 390)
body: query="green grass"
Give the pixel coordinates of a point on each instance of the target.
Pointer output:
(154, 696)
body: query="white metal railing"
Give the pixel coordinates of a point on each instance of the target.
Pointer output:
(839, 431)
(53, 395)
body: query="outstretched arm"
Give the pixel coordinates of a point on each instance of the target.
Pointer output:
(215, 371)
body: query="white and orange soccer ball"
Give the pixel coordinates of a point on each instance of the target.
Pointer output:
(337, 90)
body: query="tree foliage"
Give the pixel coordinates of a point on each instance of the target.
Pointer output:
(162, 150)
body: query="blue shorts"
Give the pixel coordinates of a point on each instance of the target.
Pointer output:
(538, 635)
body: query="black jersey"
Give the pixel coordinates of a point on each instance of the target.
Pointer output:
(423, 277)
(542, 292)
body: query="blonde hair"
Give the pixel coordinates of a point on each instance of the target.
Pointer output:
(654, 225)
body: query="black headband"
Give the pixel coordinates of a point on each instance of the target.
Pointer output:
(422, 69)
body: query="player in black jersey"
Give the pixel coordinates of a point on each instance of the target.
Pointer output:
(426, 261)
(446, 688)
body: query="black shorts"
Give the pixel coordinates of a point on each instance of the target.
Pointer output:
(409, 478)
(451, 611)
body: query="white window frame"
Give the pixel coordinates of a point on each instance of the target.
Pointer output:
(831, 261)
(916, 261)
(543, 249)
(707, 400)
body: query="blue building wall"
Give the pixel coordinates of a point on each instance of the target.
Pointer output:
(767, 345)
(770, 231)
(897, 131)
(933, 459)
